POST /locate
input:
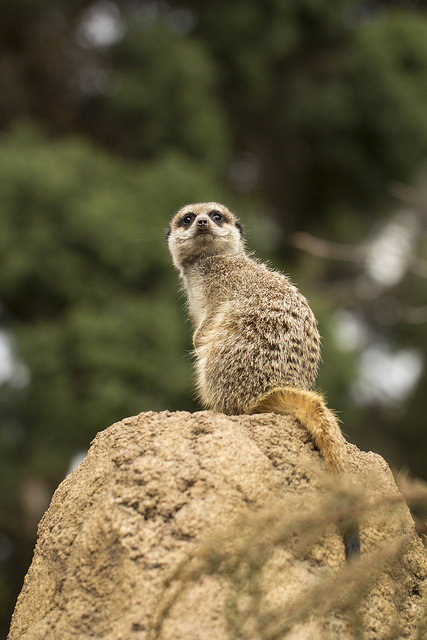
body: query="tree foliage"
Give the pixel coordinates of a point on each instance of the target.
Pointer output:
(87, 296)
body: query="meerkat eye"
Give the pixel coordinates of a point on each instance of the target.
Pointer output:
(216, 216)
(187, 219)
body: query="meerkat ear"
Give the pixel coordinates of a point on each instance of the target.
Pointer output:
(167, 234)
(240, 228)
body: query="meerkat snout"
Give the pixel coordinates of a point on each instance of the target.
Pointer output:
(202, 225)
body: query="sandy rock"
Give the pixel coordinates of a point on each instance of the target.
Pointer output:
(155, 487)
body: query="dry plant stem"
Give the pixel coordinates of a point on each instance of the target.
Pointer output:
(344, 590)
(225, 556)
(326, 249)
(409, 195)
(346, 252)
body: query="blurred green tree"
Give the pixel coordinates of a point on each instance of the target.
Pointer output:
(90, 300)
(330, 96)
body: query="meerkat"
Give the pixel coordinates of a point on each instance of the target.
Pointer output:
(256, 341)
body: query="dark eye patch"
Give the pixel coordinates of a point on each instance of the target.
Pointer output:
(187, 219)
(217, 216)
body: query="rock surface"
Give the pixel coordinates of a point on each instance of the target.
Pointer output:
(154, 487)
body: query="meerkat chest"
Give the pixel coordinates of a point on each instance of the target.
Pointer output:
(198, 305)
(197, 298)
(213, 285)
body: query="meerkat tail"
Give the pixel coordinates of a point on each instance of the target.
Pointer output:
(351, 536)
(310, 409)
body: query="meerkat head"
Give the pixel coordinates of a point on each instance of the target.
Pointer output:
(201, 230)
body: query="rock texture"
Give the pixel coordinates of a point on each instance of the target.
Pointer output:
(154, 487)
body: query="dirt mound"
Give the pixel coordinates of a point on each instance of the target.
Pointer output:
(236, 504)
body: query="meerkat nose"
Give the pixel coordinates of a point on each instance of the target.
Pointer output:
(202, 222)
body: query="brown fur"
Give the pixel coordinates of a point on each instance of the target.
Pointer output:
(310, 410)
(256, 340)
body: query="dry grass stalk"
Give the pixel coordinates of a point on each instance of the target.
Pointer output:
(238, 556)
